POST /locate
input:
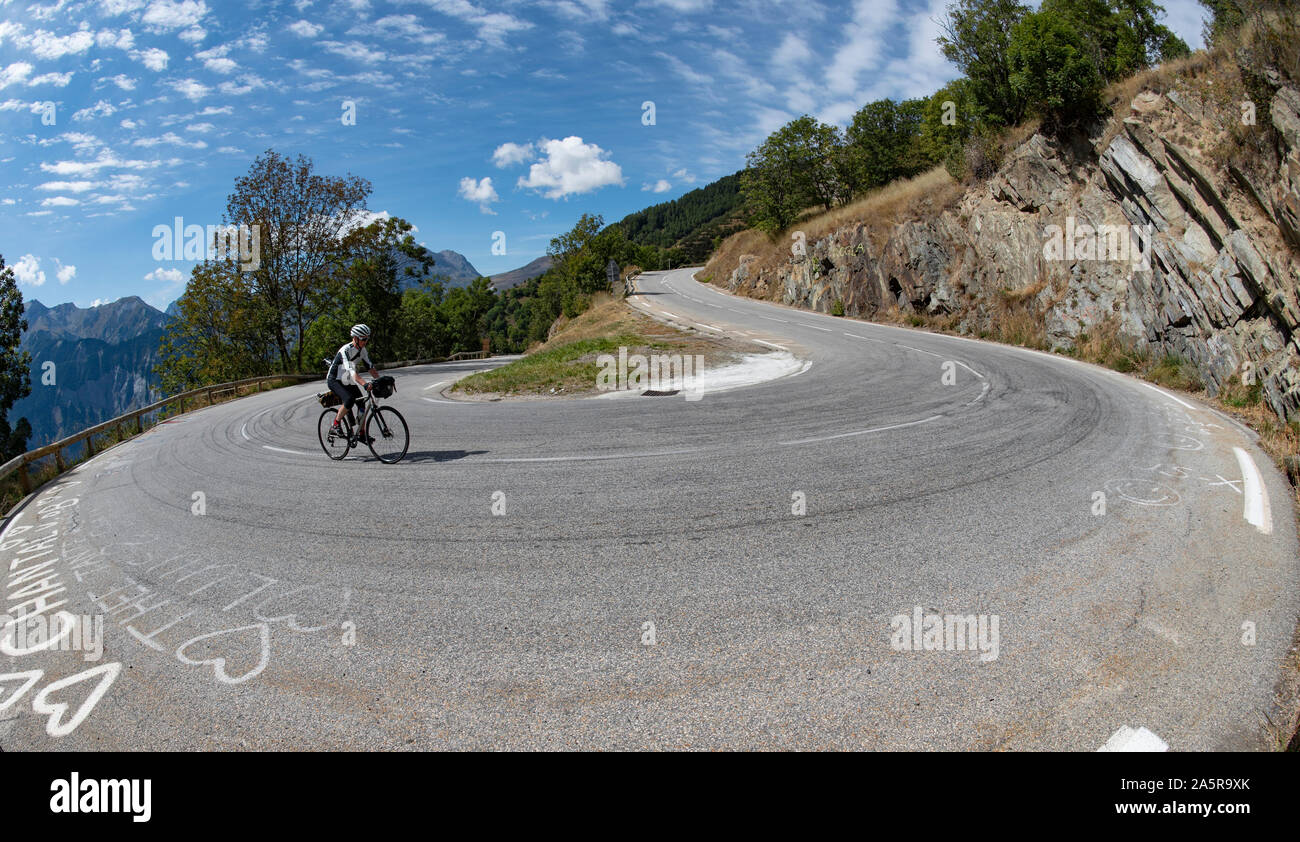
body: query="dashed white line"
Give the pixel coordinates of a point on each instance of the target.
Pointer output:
(1256, 510)
(772, 345)
(770, 319)
(434, 386)
(284, 450)
(864, 432)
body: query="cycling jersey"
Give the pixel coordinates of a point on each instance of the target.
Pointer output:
(344, 367)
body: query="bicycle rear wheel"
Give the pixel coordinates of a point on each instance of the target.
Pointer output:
(387, 435)
(335, 446)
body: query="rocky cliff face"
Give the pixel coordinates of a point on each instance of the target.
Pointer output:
(1137, 227)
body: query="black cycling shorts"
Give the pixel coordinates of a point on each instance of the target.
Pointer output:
(350, 394)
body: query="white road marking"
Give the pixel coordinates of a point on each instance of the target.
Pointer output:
(814, 327)
(671, 315)
(595, 458)
(867, 338)
(283, 450)
(1163, 392)
(1134, 739)
(453, 403)
(772, 345)
(244, 430)
(984, 391)
(864, 432)
(918, 350)
(770, 319)
(1256, 510)
(434, 386)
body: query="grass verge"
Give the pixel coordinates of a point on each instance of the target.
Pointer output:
(565, 365)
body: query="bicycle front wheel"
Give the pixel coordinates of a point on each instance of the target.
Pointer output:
(336, 446)
(387, 435)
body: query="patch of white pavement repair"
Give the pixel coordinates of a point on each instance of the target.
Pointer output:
(751, 370)
(1134, 739)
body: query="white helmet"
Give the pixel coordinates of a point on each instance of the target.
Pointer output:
(361, 331)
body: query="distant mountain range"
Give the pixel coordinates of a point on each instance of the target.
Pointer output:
(104, 357)
(522, 275)
(103, 364)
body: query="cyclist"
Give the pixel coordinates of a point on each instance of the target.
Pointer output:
(343, 373)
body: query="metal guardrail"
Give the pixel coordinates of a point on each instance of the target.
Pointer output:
(19, 463)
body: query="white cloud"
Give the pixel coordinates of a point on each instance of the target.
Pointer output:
(47, 45)
(28, 270)
(171, 276)
(152, 58)
(570, 166)
(660, 186)
(247, 83)
(123, 39)
(508, 154)
(305, 29)
(224, 66)
(166, 15)
(103, 108)
(480, 191)
(59, 202)
(866, 42)
(355, 50)
(191, 89)
(170, 139)
(65, 273)
(67, 186)
(58, 80)
(124, 82)
(193, 35)
(492, 27)
(14, 74)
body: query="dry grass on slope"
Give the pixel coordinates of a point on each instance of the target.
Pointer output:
(928, 194)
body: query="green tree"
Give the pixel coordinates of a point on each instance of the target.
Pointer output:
(364, 284)
(883, 143)
(793, 169)
(301, 217)
(220, 333)
(15, 365)
(977, 38)
(1052, 72)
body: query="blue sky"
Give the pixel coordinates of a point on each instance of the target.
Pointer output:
(470, 117)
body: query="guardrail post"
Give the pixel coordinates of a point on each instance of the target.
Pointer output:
(90, 446)
(58, 460)
(139, 424)
(209, 397)
(23, 479)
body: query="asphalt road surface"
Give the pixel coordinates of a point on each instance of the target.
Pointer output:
(740, 571)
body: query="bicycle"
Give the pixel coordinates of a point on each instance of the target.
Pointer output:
(383, 429)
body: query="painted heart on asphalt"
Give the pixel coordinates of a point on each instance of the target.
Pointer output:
(314, 602)
(57, 725)
(236, 640)
(31, 676)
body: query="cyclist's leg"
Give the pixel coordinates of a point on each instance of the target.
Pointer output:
(348, 398)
